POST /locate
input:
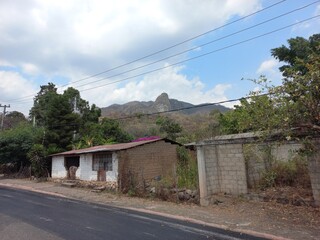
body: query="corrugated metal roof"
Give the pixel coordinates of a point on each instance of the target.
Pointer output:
(111, 147)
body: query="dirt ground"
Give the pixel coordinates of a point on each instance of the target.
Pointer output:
(244, 214)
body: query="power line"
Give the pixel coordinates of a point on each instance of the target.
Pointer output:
(192, 107)
(203, 55)
(202, 45)
(167, 48)
(137, 115)
(178, 44)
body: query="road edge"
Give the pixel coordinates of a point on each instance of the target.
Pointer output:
(176, 217)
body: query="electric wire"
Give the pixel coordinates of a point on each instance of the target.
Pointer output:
(204, 54)
(138, 115)
(180, 43)
(167, 48)
(202, 45)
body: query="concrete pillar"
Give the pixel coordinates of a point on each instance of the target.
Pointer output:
(314, 171)
(204, 201)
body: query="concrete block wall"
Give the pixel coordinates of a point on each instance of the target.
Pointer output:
(314, 171)
(259, 157)
(285, 152)
(212, 169)
(221, 169)
(231, 166)
(255, 159)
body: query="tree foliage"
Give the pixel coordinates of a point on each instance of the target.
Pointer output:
(294, 104)
(62, 115)
(107, 131)
(169, 127)
(13, 119)
(39, 160)
(15, 143)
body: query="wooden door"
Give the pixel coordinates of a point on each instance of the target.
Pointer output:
(102, 175)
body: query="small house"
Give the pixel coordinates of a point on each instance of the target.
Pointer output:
(123, 165)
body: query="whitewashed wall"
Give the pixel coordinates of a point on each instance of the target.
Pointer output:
(85, 168)
(112, 176)
(84, 171)
(58, 169)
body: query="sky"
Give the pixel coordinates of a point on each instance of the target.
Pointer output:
(114, 52)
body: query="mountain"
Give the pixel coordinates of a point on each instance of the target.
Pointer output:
(162, 103)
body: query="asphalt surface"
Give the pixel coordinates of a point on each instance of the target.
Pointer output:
(29, 215)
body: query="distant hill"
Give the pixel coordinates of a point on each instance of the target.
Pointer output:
(162, 103)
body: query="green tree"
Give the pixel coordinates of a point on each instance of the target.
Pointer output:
(300, 91)
(39, 160)
(297, 55)
(294, 104)
(16, 142)
(62, 115)
(13, 119)
(260, 113)
(105, 132)
(169, 127)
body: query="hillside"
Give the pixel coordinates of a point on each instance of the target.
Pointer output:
(197, 123)
(162, 103)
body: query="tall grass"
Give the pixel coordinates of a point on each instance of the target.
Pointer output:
(187, 170)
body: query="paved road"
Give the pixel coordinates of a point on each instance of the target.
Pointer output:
(29, 215)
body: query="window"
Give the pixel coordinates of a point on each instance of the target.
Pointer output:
(102, 162)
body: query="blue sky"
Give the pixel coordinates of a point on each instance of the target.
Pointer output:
(65, 41)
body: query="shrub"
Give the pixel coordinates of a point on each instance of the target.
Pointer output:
(292, 173)
(187, 170)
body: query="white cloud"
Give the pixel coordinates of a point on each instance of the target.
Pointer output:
(4, 63)
(76, 38)
(270, 69)
(169, 80)
(268, 66)
(30, 68)
(89, 36)
(13, 88)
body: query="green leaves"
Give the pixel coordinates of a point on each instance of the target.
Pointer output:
(294, 104)
(169, 126)
(16, 142)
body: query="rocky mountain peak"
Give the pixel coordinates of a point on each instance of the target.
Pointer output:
(162, 103)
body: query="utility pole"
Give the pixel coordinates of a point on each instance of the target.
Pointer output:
(4, 113)
(75, 110)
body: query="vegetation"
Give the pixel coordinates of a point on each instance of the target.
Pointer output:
(62, 121)
(13, 119)
(39, 160)
(187, 170)
(15, 143)
(294, 104)
(169, 127)
(65, 121)
(292, 173)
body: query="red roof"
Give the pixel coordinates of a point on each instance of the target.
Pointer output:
(111, 147)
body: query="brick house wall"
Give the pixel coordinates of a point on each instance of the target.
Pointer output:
(140, 165)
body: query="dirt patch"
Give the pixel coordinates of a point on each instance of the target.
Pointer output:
(296, 196)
